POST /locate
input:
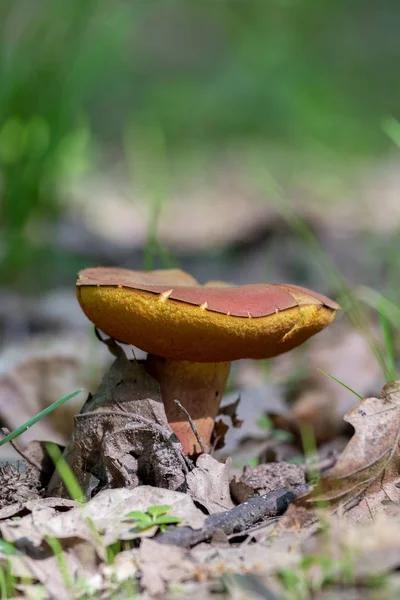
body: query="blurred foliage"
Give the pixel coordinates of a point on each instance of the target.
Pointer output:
(75, 76)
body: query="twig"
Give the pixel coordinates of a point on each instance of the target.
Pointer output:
(236, 520)
(192, 425)
(21, 452)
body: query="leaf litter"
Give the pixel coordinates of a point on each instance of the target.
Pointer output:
(208, 484)
(363, 486)
(366, 477)
(121, 436)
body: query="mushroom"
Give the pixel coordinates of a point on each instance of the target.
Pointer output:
(192, 332)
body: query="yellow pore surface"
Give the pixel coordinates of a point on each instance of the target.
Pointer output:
(181, 331)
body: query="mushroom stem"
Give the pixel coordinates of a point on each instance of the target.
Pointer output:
(199, 388)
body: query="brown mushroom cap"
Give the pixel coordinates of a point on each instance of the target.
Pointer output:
(166, 313)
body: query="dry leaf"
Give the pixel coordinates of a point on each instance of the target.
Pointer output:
(208, 484)
(123, 567)
(38, 562)
(107, 512)
(246, 558)
(368, 549)
(44, 570)
(160, 565)
(122, 437)
(369, 468)
(29, 530)
(231, 410)
(220, 428)
(15, 510)
(101, 521)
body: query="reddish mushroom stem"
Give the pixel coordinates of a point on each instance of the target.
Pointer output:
(199, 388)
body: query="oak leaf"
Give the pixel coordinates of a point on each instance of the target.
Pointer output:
(366, 478)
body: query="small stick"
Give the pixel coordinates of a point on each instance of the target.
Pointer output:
(192, 425)
(21, 452)
(235, 520)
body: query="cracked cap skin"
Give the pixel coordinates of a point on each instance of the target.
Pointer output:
(168, 314)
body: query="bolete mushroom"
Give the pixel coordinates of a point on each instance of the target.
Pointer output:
(192, 332)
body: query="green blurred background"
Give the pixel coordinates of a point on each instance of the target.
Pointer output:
(158, 92)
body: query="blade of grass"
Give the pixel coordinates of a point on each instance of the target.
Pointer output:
(341, 383)
(388, 344)
(3, 585)
(22, 428)
(309, 445)
(7, 580)
(379, 302)
(61, 561)
(389, 318)
(167, 259)
(145, 148)
(65, 472)
(76, 493)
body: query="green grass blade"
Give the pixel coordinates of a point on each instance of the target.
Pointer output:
(389, 318)
(65, 472)
(22, 428)
(341, 383)
(3, 585)
(388, 345)
(58, 552)
(146, 152)
(380, 303)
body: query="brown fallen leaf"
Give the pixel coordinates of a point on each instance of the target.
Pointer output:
(220, 428)
(121, 436)
(101, 521)
(369, 549)
(107, 512)
(231, 410)
(35, 559)
(123, 567)
(22, 508)
(44, 570)
(366, 477)
(246, 558)
(208, 484)
(161, 565)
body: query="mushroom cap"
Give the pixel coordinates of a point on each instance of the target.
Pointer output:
(167, 313)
